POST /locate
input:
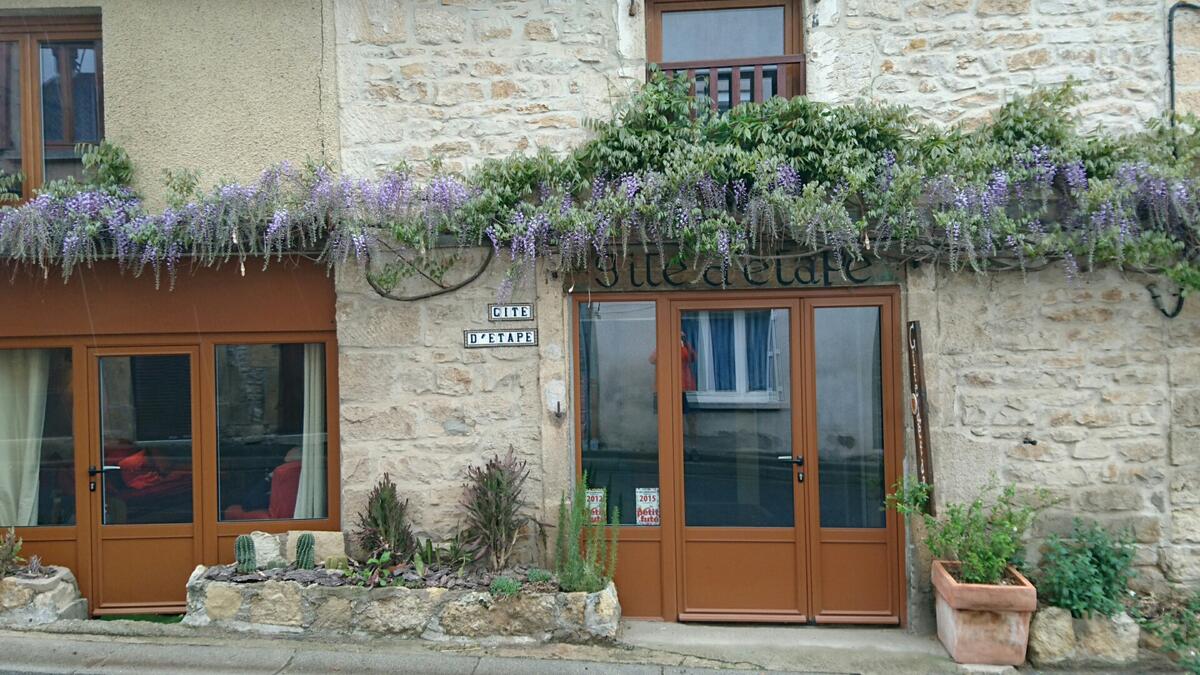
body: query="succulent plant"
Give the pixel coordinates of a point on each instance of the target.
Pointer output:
(276, 564)
(337, 562)
(243, 552)
(305, 548)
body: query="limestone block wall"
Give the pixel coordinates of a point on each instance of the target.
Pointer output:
(956, 60)
(417, 405)
(1082, 388)
(465, 80)
(1187, 60)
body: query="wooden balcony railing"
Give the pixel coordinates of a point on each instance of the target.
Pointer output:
(754, 79)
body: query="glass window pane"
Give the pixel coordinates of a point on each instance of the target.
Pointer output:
(146, 435)
(37, 445)
(617, 390)
(738, 445)
(10, 117)
(70, 82)
(271, 431)
(715, 34)
(850, 416)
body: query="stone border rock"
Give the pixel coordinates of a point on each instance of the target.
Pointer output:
(1056, 639)
(436, 614)
(35, 601)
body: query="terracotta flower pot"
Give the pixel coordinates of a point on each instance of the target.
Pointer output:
(982, 623)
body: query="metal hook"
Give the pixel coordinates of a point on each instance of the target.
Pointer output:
(1156, 297)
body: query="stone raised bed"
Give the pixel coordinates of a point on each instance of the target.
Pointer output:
(283, 606)
(35, 600)
(1058, 640)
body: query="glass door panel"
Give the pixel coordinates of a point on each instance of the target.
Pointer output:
(849, 400)
(146, 439)
(737, 418)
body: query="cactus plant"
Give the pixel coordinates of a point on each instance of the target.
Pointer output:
(337, 562)
(277, 564)
(243, 550)
(305, 547)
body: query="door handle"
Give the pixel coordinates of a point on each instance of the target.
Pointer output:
(92, 470)
(798, 461)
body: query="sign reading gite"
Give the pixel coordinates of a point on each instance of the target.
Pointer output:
(525, 337)
(518, 312)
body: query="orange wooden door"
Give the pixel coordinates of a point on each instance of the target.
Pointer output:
(737, 424)
(143, 476)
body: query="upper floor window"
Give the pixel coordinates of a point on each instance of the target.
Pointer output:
(51, 97)
(751, 47)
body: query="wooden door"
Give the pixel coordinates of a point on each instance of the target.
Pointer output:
(144, 476)
(738, 440)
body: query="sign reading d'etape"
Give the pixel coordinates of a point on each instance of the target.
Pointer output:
(518, 312)
(525, 337)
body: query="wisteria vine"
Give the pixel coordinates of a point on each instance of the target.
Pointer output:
(1030, 205)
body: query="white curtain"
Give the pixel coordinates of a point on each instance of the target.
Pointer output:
(310, 497)
(24, 378)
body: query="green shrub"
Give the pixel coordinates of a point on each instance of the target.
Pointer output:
(1177, 625)
(496, 516)
(538, 576)
(383, 526)
(984, 537)
(504, 587)
(10, 550)
(584, 560)
(1088, 573)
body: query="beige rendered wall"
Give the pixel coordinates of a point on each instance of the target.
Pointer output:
(225, 87)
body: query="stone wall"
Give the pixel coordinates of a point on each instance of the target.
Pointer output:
(1082, 388)
(1187, 60)
(419, 406)
(465, 80)
(956, 60)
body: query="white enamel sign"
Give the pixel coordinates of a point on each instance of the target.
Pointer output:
(595, 502)
(518, 312)
(647, 506)
(525, 337)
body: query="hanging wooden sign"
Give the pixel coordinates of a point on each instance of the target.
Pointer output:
(919, 409)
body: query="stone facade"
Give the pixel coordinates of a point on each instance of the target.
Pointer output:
(429, 613)
(1081, 386)
(957, 60)
(467, 80)
(417, 405)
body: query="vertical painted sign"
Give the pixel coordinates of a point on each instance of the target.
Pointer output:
(919, 409)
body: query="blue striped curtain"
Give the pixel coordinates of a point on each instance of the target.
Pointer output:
(758, 343)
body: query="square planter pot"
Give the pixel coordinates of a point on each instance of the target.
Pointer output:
(980, 623)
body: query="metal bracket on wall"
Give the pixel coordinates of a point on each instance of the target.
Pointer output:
(1156, 298)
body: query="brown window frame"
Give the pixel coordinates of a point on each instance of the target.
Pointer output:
(793, 38)
(29, 32)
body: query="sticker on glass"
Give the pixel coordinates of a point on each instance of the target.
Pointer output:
(647, 506)
(595, 502)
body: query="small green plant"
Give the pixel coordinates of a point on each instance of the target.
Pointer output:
(539, 576)
(383, 526)
(305, 550)
(495, 509)
(1087, 573)
(10, 552)
(106, 165)
(376, 571)
(504, 587)
(584, 559)
(243, 552)
(983, 537)
(337, 562)
(1177, 625)
(277, 564)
